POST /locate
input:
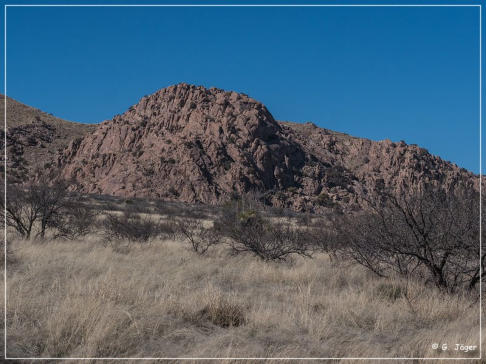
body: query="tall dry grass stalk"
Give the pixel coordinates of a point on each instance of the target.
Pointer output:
(81, 299)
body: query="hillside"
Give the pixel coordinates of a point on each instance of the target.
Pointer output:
(35, 137)
(194, 144)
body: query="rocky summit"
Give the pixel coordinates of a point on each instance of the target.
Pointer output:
(188, 143)
(199, 145)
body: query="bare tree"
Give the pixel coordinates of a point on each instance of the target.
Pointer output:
(36, 204)
(41, 205)
(53, 200)
(433, 234)
(200, 238)
(271, 242)
(22, 210)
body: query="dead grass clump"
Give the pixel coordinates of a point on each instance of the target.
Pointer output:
(219, 308)
(224, 313)
(389, 291)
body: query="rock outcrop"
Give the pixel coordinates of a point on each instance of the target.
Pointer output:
(189, 143)
(194, 144)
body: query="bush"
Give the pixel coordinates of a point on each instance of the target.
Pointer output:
(322, 239)
(250, 232)
(78, 221)
(433, 235)
(40, 204)
(337, 177)
(133, 228)
(201, 239)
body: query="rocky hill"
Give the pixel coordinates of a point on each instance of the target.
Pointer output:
(373, 167)
(188, 143)
(34, 138)
(194, 144)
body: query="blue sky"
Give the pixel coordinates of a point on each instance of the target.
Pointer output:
(398, 73)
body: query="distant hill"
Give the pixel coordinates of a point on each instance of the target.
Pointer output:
(34, 137)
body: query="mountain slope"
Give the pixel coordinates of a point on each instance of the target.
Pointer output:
(398, 167)
(194, 144)
(34, 137)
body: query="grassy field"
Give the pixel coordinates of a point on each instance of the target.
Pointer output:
(84, 299)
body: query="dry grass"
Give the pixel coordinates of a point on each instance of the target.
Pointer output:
(80, 299)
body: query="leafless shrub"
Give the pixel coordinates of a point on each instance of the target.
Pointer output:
(40, 203)
(21, 211)
(79, 220)
(53, 200)
(433, 235)
(250, 232)
(132, 227)
(322, 239)
(200, 238)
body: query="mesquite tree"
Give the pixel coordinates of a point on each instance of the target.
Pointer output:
(433, 234)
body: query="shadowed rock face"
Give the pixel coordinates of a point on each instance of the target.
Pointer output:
(194, 144)
(34, 138)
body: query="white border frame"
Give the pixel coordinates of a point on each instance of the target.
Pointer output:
(234, 6)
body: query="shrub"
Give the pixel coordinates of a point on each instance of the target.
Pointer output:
(78, 221)
(433, 235)
(322, 239)
(337, 177)
(132, 227)
(201, 239)
(250, 232)
(21, 210)
(40, 203)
